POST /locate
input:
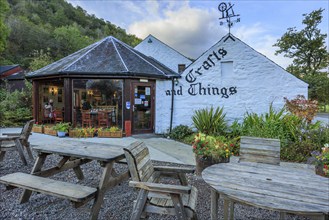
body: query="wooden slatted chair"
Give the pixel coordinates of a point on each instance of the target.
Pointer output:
(103, 119)
(257, 150)
(155, 197)
(58, 116)
(86, 119)
(14, 139)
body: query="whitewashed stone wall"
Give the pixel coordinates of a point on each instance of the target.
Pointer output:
(162, 106)
(234, 76)
(151, 46)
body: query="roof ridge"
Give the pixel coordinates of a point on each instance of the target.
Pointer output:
(167, 46)
(116, 49)
(133, 51)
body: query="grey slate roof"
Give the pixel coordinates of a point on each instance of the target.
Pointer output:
(107, 57)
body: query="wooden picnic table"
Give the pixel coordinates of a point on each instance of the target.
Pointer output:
(73, 154)
(18, 147)
(278, 188)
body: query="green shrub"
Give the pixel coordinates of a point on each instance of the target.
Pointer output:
(180, 132)
(210, 122)
(310, 138)
(15, 107)
(188, 139)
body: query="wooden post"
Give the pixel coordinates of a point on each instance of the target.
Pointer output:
(68, 108)
(214, 204)
(35, 101)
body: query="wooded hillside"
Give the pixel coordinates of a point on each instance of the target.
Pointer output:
(45, 31)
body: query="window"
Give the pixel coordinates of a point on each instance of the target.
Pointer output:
(227, 69)
(181, 68)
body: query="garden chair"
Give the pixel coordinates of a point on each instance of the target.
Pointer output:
(102, 118)
(155, 197)
(257, 150)
(58, 115)
(86, 119)
(17, 141)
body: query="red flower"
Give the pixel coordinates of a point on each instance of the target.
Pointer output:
(37, 123)
(231, 145)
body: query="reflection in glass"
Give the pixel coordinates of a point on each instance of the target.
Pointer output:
(98, 95)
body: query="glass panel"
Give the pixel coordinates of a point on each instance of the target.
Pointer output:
(51, 101)
(142, 107)
(94, 97)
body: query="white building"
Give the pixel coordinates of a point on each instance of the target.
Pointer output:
(230, 74)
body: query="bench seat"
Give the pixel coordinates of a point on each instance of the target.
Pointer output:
(73, 192)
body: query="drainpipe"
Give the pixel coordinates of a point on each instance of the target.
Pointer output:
(172, 103)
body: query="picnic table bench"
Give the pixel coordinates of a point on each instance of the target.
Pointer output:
(73, 154)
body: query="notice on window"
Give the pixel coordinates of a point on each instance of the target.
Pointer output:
(147, 91)
(128, 105)
(142, 96)
(146, 103)
(138, 101)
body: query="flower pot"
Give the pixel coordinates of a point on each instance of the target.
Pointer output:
(204, 162)
(61, 133)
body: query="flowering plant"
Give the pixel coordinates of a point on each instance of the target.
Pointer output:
(211, 146)
(323, 158)
(37, 124)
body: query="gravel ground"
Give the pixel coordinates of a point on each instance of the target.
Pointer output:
(117, 202)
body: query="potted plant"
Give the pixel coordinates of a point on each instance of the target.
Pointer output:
(37, 128)
(322, 161)
(210, 150)
(62, 128)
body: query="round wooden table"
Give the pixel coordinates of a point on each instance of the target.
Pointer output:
(279, 188)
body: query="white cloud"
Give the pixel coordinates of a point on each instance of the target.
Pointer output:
(189, 30)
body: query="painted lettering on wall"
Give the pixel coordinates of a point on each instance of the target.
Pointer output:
(201, 88)
(198, 89)
(211, 60)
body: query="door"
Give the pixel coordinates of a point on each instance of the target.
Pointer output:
(142, 107)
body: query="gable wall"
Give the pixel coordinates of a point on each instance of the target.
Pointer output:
(254, 83)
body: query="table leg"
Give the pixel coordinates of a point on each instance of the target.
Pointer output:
(36, 168)
(101, 190)
(19, 148)
(214, 204)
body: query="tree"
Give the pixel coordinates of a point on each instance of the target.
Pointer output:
(40, 59)
(4, 30)
(307, 47)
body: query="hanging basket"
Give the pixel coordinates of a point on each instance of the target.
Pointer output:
(204, 162)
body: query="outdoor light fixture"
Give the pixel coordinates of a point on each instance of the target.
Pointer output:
(176, 82)
(52, 90)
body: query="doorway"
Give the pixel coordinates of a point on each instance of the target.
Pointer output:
(142, 110)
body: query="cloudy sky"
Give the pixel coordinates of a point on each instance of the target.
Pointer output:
(192, 26)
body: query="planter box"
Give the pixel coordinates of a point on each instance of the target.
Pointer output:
(74, 134)
(108, 134)
(50, 131)
(38, 129)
